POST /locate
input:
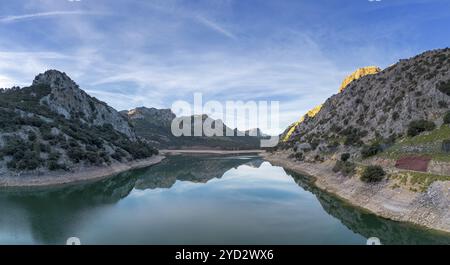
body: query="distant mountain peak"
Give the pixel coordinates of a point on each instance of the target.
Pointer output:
(68, 99)
(158, 117)
(55, 79)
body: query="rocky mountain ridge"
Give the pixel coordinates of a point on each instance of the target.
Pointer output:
(380, 106)
(361, 72)
(54, 125)
(155, 125)
(66, 98)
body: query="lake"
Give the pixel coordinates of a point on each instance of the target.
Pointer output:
(196, 200)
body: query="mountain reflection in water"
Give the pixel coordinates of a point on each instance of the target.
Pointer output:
(245, 189)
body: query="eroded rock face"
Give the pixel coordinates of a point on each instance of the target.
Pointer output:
(66, 98)
(439, 194)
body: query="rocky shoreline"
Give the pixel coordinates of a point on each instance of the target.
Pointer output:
(76, 175)
(430, 209)
(209, 151)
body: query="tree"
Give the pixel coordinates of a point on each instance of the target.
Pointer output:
(370, 150)
(447, 118)
(446, 146)
(345, 157)
(419, 126)
(444, 87)
(372, 174)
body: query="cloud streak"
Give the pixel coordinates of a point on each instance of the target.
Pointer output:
(18, 18)
(214, 26)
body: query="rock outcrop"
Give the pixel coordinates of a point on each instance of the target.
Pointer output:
(381, 105)
(66, 98)
(361, 72)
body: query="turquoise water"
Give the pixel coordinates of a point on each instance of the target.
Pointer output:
(196, 200)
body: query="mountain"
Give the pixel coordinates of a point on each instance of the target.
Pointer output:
(54, 125)
(381, 110)
(154, 125)
(67, 99)
(369, 70)
(151, 124)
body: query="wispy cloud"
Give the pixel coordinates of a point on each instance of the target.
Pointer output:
(18, 18)
(203, 20)
(214, 26)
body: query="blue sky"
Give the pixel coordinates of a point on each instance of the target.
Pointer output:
(151, 53)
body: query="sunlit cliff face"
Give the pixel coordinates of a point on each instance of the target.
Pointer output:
(313, 112)
(369, 70)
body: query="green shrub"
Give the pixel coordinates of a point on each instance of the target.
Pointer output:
(31, 136)
(442, 104)
(447, 118)
(419, 126)
(333, 144)
(46, 132)
(444, 87)
(353, 136)
(24, 160)
(345, 167)
(299, 156)
(54, 156)
(370, 150)
(446, 146)
(54, 165)
(353, 140)
(76, 154)
(372, 174)
(395, 116)
(345, 157)
(118, 154)
(44, 148)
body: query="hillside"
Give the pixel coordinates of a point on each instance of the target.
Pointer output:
(382, 142)
(155, 126)
(54, 125)
(378, 110)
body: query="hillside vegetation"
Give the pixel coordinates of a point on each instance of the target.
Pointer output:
(389, 124)
(41, 131)
(388, 109)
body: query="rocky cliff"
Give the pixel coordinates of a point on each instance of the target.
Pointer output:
(380, 106)
(361, 72)
(67, 99)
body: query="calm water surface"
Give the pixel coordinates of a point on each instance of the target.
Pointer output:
(196, 200)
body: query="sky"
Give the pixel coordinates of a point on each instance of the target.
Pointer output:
(151, 53)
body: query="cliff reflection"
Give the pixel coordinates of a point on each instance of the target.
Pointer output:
(367, 224)
(51, 214)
